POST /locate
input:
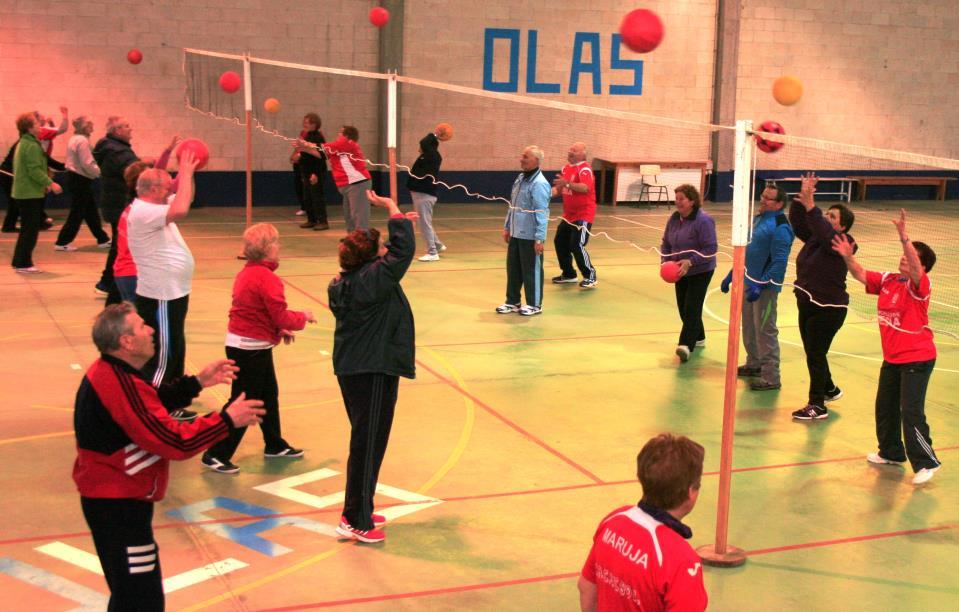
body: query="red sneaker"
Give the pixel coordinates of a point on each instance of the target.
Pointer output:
(370, 536)
(378, 520)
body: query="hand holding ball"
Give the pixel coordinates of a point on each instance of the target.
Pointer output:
(230, 82)
(641, 30)
(134, 56)
(379, 16)
(199, 150)
(444, 131)
(670, 271)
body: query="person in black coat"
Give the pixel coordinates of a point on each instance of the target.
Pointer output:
(373, 346)
(422, 186)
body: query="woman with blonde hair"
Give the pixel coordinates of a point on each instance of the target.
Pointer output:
(259, 320)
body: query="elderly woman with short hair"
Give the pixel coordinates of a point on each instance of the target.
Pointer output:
(259, 319)
(30, 185)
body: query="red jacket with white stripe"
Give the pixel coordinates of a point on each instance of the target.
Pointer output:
(126, 438)
(259, 307)
(347, 162)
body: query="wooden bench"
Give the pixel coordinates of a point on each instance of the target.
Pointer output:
(939, 182)
(842, 186)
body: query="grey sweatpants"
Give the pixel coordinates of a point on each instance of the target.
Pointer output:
(761, 336)
(356, 206)
(423, 205)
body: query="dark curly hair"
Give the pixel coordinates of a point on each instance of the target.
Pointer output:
(359, 247)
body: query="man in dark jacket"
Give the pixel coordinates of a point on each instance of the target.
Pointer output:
(113, 154)
(422, 186)
(373, 346)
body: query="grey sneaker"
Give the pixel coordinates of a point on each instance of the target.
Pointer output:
(762, 385)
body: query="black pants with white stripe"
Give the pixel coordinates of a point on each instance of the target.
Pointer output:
(122, 532)
(901, 413)
(570, 242)
(167, 318)
(370, 400)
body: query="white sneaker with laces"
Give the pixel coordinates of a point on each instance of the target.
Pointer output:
(925, 475)
(529, 311)
(430, 257)
(880, 460)
(507, 308)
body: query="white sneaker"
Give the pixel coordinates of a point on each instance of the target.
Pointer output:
(700, 343)
(430, 257)
(683, 353)
(441, 248)
(925, 475)
(105, 245)
(300, 213)
(507, 308)
(64, 247)
(529, 311)
(30, 270)
(880, 460)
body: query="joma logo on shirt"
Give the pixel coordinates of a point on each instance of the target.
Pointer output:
(625, 548)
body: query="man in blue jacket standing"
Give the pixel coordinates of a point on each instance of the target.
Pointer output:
(766, 258)
(525, 233)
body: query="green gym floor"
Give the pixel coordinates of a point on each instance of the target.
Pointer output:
(517, 436)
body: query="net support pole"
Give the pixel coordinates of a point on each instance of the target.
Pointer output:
(248, 104)
(391, 134)
(721, 554)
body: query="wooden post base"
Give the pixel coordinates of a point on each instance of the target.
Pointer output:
(733, 557)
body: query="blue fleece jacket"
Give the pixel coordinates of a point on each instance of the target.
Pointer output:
(529, 194)
(768, 251)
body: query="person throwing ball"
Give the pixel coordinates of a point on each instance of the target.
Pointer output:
(908, 353)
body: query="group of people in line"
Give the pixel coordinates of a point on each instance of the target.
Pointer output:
(132, 413)
(828, 253)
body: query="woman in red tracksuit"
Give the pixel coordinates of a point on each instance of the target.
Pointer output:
(259, 319)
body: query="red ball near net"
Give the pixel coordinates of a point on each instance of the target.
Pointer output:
(199, 149)
(641, 30)
(669, 271)
(769, 146)
(230, 82)
(379, 16)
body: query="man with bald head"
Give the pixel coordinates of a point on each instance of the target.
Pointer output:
(578, 188)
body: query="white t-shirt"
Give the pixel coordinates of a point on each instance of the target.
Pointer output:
(164, 261)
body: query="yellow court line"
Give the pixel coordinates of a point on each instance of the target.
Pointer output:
(55, 434)
(465, 433)
(453, 459)
(46, 407)
(266, 579)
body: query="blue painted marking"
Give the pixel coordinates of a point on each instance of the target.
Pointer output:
(616, 63)
(531, 85)
(512, 35)
(58, 585)
(579, 66)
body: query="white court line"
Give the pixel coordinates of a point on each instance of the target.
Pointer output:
(91, 563)
(708, 311)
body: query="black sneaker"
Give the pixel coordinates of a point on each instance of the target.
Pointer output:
(559, 280)
(833, 395)
(218, 465)
(588, 283)
(183, 415)
(763, 385)
(288, 452)
(810, 412)
(746, 371)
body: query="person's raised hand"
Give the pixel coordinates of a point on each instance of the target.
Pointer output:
(218, 372)
(244, 412)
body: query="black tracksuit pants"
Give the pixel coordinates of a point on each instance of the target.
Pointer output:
(31, 220)
(256, 378)
(83, 207)
(370, 400)
(817, 327)
(168, 319)
(690, 296)
(314, 200)
(901, 413)
(122, 533)
(570, 243)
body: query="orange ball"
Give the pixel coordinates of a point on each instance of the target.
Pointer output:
(271, 105)
(444, 131)
(787, 90)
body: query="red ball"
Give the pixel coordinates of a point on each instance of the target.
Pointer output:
(641, 30)
(134, 56)
(230, 82)
(769, 146)
(199, 149)
(379, 16)
(669, 271)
